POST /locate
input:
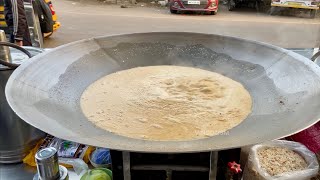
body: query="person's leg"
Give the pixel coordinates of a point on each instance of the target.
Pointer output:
(11, 37)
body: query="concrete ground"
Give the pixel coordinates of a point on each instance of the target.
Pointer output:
(84, 20)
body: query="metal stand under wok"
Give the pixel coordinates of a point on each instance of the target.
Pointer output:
(131, 166)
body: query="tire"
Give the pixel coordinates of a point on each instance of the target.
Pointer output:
(313, 13)
(214, 12)
(273, 10)
(173, 11)
(231, 5)
(258, 6)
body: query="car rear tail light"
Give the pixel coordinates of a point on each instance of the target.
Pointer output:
(213, 3)
(53, 12)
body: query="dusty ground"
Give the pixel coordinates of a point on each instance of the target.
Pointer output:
(84, 20)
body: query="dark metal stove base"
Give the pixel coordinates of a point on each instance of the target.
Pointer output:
(183, 166)
(149, 166)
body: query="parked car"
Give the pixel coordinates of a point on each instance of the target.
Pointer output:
(210, 6)
(311, 5)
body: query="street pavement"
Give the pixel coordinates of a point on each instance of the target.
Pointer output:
(81, 20)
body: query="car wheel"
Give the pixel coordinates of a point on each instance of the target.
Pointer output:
(273, 10)
(258, 6)
(214, 12)
(313, 13)
(173, 11)
(231, 5)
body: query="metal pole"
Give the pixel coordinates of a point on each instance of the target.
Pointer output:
(213, 165)
(126, 165)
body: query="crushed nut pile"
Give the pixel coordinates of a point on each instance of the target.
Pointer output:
(277, 160)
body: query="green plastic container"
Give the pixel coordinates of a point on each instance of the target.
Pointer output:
(87, 175)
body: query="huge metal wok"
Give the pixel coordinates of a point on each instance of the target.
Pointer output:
(285, 86)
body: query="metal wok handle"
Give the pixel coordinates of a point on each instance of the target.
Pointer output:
(12, 65)
(315, 56)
